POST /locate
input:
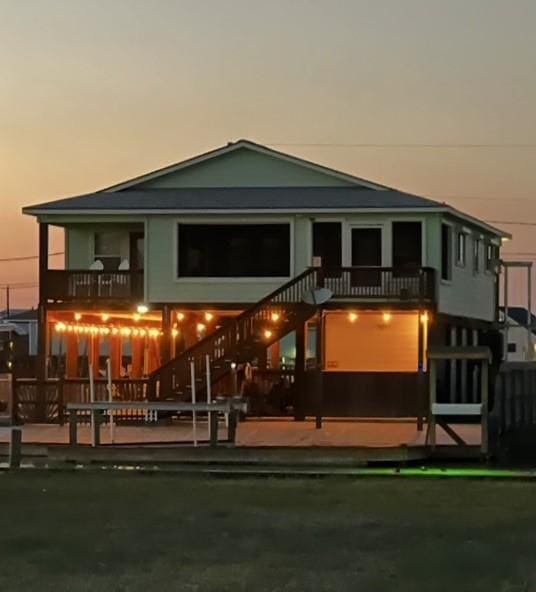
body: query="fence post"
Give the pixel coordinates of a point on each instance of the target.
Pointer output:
(14, 400)
(15, 448)
(61, 414)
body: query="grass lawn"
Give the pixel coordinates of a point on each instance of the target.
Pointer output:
(129, 532)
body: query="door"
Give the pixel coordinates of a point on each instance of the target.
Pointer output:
(327, 244)
(137, 248)
(366, 253)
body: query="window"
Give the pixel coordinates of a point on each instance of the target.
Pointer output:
(512, 348)
(327, 243)
(108, 249)
(407, 245)
(446, 252)
(491, 256)
(460, 252)
(476, 255)
(234, 250)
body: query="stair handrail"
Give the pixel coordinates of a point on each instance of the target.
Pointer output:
(224, 328)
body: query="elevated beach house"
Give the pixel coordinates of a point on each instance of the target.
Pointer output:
(248, 256)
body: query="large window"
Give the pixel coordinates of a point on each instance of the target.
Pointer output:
(234, 250)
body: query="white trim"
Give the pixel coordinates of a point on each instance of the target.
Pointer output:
(290, 211)
(244, 221)
(231, 147)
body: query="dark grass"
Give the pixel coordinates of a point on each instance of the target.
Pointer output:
(128, 532)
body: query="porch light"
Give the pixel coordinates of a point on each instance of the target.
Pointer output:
(77, 316)
(142, 309)
(386, 317)
(352, 317)
(208, 317)
(267, 333)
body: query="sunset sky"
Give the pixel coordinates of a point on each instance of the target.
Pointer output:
(97, 91)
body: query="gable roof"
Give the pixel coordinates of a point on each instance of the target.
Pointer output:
(232, 147)
(235, 198)
(360, 195)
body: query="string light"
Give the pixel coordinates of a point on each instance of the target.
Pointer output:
(275, 316)
(200, 327)
(136, 316)
(174, 332)
(105, 316)
(352, 317)
(77, 316)
(180, 316)
(267, 333)
(208, 316)
(386, 317)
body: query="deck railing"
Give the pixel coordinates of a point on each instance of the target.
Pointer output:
(90, 285)
(381, 283)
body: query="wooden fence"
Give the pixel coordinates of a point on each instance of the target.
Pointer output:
(513, 415)
(44, 402)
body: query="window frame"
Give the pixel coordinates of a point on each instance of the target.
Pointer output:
(450, 252)
(461, 253)
(477, 242)
(235, 221)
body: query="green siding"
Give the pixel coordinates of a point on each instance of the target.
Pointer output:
(245, 168)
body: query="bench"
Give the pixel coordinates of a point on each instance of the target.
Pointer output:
(230, 408)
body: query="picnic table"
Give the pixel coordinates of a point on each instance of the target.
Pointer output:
(230, 407)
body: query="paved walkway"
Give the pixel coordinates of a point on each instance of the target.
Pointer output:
(254, 433)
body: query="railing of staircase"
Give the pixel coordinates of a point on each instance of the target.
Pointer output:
(224, 341)
(351, 283)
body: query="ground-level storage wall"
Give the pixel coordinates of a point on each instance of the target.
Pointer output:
(371, 341)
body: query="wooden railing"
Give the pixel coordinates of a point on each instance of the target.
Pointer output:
(239, 338)
(89, 285)
(44, 402)
(381, 283)
(244, 336)
(514, 404)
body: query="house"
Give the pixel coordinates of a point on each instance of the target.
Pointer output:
(520, 328)
(211, 261)
(18, 341)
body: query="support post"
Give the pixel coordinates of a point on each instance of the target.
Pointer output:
(213, 422)
(73, 427)
(433, 398)
(15, 448)
(319, 377)
(420, 372)
(71, 364)
(165, 342)
(299, 374)
(485, 410)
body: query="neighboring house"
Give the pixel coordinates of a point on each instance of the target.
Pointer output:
(161, 261)
(520, 334)
(18, 341)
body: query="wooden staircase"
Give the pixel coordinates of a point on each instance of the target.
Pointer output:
(240, 340)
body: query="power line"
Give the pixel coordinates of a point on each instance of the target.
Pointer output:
(29, 257)
(511, 222)
(402, 145)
